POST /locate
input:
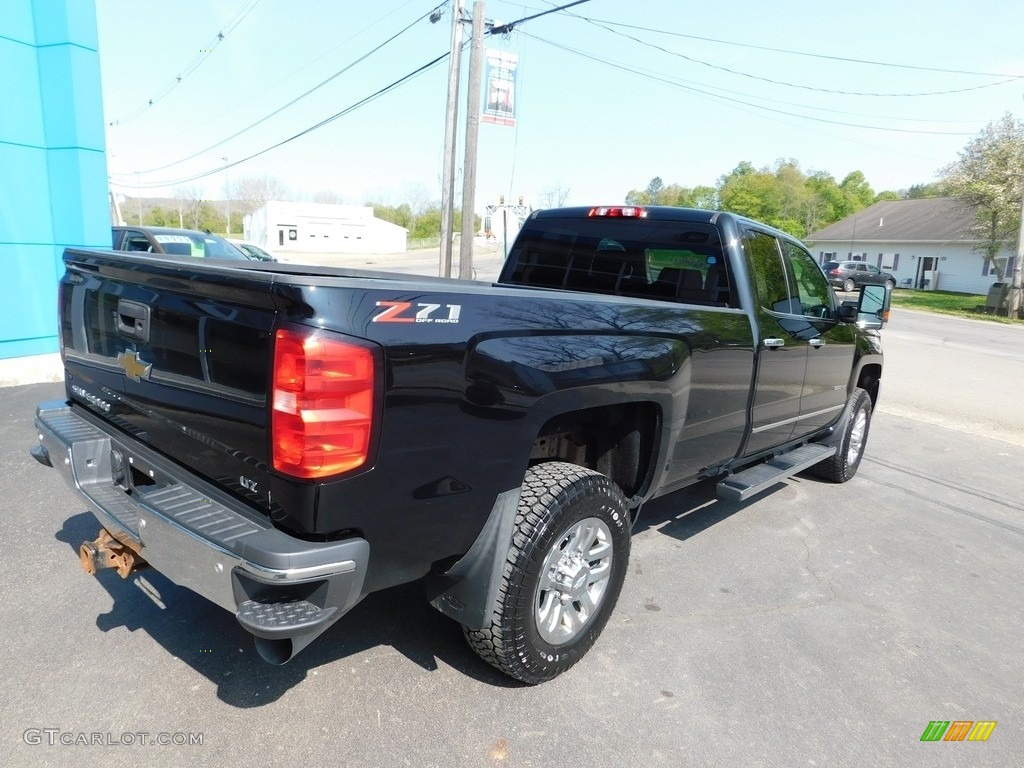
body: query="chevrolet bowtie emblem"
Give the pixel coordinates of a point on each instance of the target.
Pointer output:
(134, 368)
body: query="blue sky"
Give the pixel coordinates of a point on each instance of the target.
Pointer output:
(611, 93)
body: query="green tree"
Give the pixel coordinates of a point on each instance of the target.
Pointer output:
(825, 202)
(918, 191)
(857, 191)
(654, 187)
(654, 194)
(794, 196)
(428, 224)
(157, 217)
(752, 193)
(188, 201)
(636, 197)
(702, 196)
(400, 215)
(783, 195)
(987, 181)
(210, 219)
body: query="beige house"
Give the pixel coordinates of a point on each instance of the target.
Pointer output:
(924, 243)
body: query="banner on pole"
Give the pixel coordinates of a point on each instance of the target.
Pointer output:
(500, 102)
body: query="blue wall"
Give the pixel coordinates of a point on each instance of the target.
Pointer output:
(53, 170)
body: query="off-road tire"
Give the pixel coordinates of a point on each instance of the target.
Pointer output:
(843, 464)
(557, 500)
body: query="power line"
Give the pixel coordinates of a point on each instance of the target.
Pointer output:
(693, 89)
(294, 101)
(786, 84)
(796, 53)
(351, 108)
(506, 28)
(846, 112)
(195, 63)
(249, 96)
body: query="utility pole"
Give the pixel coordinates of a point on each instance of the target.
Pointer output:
(1016, 300)
(115, 205)
(227, 192)
(476, 58)
(138, 192)
(450, 132)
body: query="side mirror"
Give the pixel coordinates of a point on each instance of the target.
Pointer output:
(847, 312)
(873, 307)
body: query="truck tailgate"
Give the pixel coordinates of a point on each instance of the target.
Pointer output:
(178, 363)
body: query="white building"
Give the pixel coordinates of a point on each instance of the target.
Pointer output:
(916, 240)
(323, 228)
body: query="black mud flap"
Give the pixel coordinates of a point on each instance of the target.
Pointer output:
(467, 591)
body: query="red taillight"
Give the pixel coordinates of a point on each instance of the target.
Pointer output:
(322, 404)
(833, 271)
(615, 212)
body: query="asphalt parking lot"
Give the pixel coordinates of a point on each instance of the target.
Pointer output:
(815, 625)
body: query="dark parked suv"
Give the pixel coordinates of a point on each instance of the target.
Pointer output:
(176, 242)
(850, 275)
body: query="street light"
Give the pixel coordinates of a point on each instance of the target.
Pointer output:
(227, 193)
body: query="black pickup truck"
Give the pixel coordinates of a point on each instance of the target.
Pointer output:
(285, 440)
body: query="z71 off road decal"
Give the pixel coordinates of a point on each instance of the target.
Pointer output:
(407, 312)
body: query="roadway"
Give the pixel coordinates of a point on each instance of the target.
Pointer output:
(956, 372)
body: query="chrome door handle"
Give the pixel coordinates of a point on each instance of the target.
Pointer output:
(817, 342)
(774, 343)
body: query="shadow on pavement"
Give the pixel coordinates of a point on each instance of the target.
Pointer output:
(688, 512)
(209, 639)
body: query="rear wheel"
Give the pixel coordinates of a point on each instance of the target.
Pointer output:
(843, 465)
(562, 575)
(848, 284)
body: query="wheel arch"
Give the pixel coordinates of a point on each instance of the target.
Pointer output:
(619, 440)
(868, 376)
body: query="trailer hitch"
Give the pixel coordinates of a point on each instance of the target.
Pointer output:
(108, 552)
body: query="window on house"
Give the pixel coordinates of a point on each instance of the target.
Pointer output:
(992, 270)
